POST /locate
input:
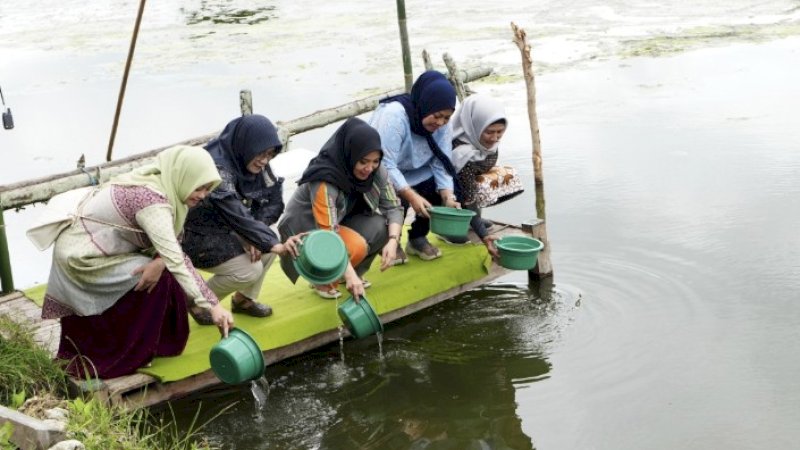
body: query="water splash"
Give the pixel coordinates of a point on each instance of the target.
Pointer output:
(260, 390)
(341, 342)
(379, 336)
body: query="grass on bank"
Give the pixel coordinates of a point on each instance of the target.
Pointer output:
(28, 373)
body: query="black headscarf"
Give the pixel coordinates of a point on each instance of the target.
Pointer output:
(243, 139)
(430, 93)
(338, 157)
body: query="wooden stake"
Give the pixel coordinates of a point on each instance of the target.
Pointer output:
(246, 102)
(426, 59)
(457, 83)
(537, 227)
(527, 70)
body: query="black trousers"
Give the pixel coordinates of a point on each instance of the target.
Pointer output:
(422, 225)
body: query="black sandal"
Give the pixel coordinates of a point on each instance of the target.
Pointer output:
(201, 315)
(242, 304)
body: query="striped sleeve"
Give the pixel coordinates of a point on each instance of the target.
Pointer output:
(323, 197)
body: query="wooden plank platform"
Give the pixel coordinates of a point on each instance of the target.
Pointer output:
(141, 390)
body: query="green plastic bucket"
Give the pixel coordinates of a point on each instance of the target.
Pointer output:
(237, 358)
(360, 318)
(323, 257)
(450, 221)
(518, 252)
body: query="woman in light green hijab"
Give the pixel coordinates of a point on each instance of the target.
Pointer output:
(119, 308)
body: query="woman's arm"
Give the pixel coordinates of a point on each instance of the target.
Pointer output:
(156, 222)
(324, 198)
(392, 126)
(228, 204)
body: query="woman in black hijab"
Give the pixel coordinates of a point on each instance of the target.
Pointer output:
(346, 189)
(228, 234)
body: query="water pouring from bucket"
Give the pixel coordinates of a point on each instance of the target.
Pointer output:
(359, 317)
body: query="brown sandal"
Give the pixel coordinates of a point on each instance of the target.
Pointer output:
(242, 304)
(201, 315)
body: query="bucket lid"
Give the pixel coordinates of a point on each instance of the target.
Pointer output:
(323, 257)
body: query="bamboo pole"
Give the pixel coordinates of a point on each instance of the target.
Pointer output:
(125, 79)
(6, 278)
(246, 102)
(401, 22)
(538, 227)
(41, 189)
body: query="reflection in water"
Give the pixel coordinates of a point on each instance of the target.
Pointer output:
(225, 12)
(448, 379)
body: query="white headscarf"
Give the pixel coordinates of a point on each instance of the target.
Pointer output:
(470, 120)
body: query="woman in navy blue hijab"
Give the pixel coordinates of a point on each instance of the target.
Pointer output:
(417, 145)
(229, 233)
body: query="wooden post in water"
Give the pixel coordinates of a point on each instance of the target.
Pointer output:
(457, 83)
(125, 79)
(246, 102)
(426, 59)
(401, 22)
(537, 227)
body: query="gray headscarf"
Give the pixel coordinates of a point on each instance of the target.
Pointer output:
(473, 116)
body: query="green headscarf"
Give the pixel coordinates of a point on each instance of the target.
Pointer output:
(178, 171)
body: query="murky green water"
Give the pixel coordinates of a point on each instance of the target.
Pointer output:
(672, 196)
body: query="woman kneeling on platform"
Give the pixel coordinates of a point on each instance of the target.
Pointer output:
(417, 141)
(346, 189)
(228, 233)
(119, 308)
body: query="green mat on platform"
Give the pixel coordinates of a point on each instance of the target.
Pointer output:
(298, 313)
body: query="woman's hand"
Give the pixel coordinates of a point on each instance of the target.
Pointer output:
(255, 254)
(354, 283)
(151, 273)
(291, 246)
(451, 202)
(488, 241)
(420, 205)
(222, 318)
(388, 254)
(449, 199)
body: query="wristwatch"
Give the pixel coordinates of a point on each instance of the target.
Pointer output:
(394, 236)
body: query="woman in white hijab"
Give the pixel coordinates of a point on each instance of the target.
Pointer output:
(478, 125)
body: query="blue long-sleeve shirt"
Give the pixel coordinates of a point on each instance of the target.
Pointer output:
(406, 155)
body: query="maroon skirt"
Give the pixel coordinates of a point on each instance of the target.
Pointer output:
(127, 336)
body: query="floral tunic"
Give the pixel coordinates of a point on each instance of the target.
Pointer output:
(118, 229)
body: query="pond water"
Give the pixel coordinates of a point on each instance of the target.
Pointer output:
(670, 139)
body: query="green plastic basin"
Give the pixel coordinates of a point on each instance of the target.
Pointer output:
(359, 318)
(323, 257)
(450, 221)
(237, 358)
(518, 252)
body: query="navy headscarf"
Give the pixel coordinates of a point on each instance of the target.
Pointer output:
(432, 92)
(338, 157)
(243, 139)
